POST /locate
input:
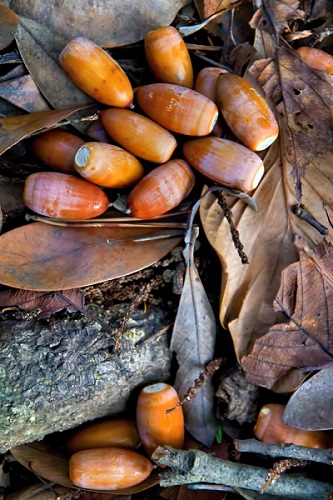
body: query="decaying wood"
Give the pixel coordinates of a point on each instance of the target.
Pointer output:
(195, 466)
(55, 375)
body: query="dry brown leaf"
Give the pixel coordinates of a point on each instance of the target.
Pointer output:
(109, 24)
(23, 93)
(15, 128)
(305, 339)
(275, 16)
(248, 291)
(47, 303)
(10, 194)
(43, 459)
(8, 26)
(311, 406)
(207, 8)
(42, 257)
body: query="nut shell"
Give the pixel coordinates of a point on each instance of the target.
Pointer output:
(246, 112)
(168, 57)
(225, 162)
(63, 196)
(107, 165)
(139, 135)
(155, 426)
(161, 190)
(316, 58)
(107, 433)
(177, 108)
(96, 73)
(108, 468)
(56, 149)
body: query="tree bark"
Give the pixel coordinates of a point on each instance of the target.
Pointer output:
(56, 375)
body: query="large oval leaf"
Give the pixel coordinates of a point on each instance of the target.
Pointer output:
(43, 257)
(8, 26)
(109, 24)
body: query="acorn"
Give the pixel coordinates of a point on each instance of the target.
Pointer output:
(139, 135)
(270, 429)
(316, 59)
(206, 84)
(56, 149)
(96, 73)
(63, 196)
(161, 190)
(97, 132)
(168, 57)
(157, 427)
(177, 108)
(120, 433)
(225, 162)
(108, 468)
(107, 165)
(246, 112)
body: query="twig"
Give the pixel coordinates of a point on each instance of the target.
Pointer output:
(285, 450)
(195, 466)
(280, 468)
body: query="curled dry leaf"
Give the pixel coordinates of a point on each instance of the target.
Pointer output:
(276, 16)
(23, 93)
(311, 406)
(8, 26)
(47, 258)
(301, 158)
(110, 25)
(305, 339)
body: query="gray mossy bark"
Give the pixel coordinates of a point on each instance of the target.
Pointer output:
(57, 375)
(195, 466)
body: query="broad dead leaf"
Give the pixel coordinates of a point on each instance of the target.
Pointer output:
(23, 93)
(8, 26)
(43, 459)
(302, 157)
(15, 128)
(47, 303)
(276, 15)
(193, 340)
(48, 258)
(207, 8)
(120, 22)
(311, 406)
(305, 339)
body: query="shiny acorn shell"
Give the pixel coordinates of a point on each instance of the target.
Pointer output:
(225, 162)
(108, 468)
(96, 73)
(178, 108)
(139, 135)
(56, 149)
(168, 57)
(269, 428)
(107, 165)
(161, 190)
(206, 82)
(246, 112)
(63, 196)
(155, 426)
(316, 59)
(121, 433)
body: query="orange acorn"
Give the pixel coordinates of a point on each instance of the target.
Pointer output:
(96, 73)
(107, 165)
(63, 196)
(139, 135)
(177, 108)
(225, 162)
(161, 190)
(270, 429)
(56, 149)
(155, 426)
(108, 468)
(316, 58)
(120, 433)
(168, 57)
(246, 112)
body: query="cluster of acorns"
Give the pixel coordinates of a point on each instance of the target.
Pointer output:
(169, 106)
(102, 453)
